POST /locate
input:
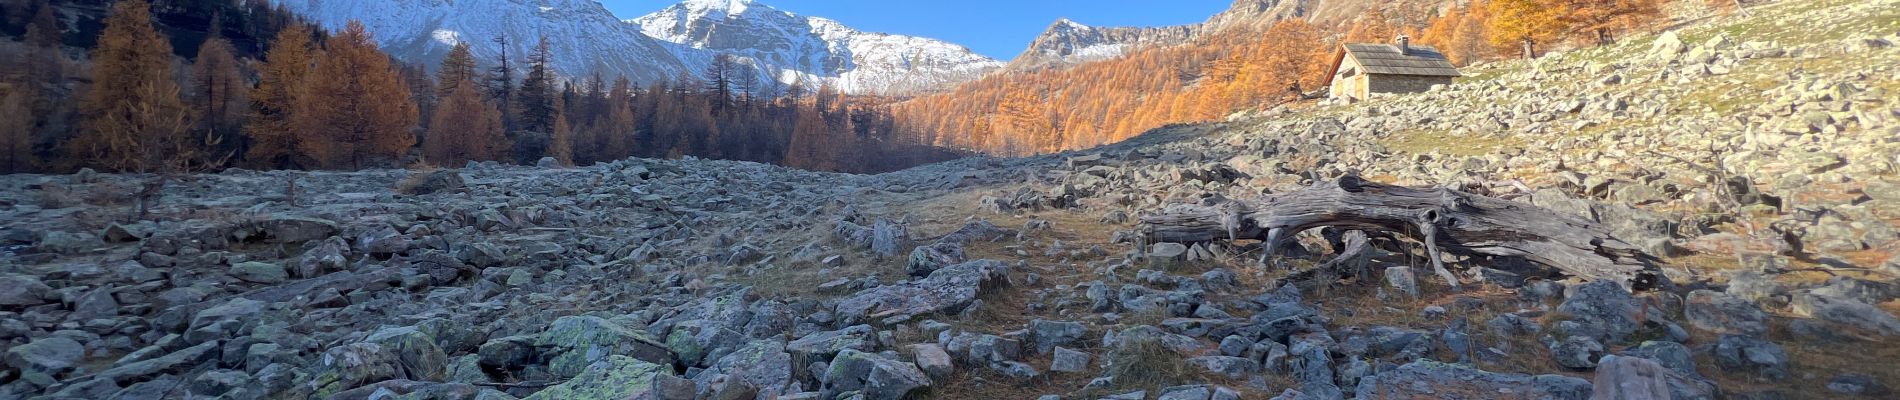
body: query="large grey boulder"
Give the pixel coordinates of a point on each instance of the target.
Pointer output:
(50, 355)
(1672, 355)
(927, 259)
(575, 342)
(420, 358)
(1402, 280)
(223, 320)
(1634, 378)
(170, 363)
(438, 181)
(22, 290)
(1576, 352)
(762, 365)
(1312, 367)
(873, 376)
(1426, 379)
(1600, 310)
(1847, 311)
(946, 290)
(822, 346)
(1065, 360)
(260, 272)
(1763, 359)
(933, 360)
(612, 377)
(1724, 313)
(1047, 335)
(284, 229)
(888, 237)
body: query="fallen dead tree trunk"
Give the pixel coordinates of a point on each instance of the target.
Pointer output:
(1443, 220)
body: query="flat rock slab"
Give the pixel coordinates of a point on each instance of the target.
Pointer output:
(946, 290)
(1436, 380)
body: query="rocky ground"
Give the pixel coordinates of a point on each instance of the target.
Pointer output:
(1756, 155)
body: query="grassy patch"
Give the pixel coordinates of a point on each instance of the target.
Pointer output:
(1446, 143)
(1146, 364)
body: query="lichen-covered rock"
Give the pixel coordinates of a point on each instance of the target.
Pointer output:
(927, 259)
(822, 346)
(763, 365)
(873, 376)
(611, 377)
(508, 353)
(1435, 380)
(352, 365)
(420, 358)
(575, 342)
(1576, 352)
(1601, 310)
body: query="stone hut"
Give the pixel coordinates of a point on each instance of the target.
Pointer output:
(1361, 69)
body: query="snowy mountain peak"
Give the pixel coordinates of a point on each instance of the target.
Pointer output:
(586, 39)
(1068, 43)
(790, 48)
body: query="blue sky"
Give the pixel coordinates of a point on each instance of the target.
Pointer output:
(996, 28)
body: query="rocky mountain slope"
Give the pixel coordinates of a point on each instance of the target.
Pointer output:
(1754, 156)
(586, 38)
(1068, 43)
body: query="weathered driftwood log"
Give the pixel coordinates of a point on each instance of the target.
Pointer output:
(1443, 220)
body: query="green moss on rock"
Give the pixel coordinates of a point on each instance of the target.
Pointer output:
(617, 377)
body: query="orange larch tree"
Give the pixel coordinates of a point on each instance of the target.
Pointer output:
(359, 113)
(274, 139)
(134, 118)
(1602, 20)
(465, 128)
(1526, 23)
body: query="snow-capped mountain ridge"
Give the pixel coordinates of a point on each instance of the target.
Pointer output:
(1067, 43)
(795, 48)
(587, 39)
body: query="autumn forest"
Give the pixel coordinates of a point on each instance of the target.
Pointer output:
(263, 89)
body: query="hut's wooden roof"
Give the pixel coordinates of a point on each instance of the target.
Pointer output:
(1386, 59)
